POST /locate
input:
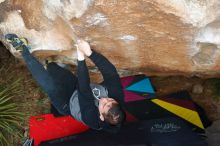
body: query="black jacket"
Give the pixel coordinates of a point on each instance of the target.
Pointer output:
(90, 113)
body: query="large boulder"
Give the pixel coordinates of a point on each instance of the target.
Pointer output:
(156, 37)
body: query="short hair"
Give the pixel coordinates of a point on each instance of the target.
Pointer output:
(115, 115)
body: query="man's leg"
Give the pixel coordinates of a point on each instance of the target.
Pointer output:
(59, 90)
(55, 90)
(65, 78)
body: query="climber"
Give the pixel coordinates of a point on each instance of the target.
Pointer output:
(97, 105)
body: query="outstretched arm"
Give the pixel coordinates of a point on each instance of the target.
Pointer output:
(110, 75)
(90, 114)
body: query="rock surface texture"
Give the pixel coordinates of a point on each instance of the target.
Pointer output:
(156, 37)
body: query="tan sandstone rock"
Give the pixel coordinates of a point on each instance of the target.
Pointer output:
(156, 37)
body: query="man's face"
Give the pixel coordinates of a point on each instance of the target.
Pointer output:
(104, 105)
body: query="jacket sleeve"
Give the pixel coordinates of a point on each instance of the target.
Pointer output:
(110, 75)
(90, 113)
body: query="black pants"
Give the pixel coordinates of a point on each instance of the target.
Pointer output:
(58, 83)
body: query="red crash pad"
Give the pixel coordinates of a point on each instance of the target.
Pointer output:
(47, 127)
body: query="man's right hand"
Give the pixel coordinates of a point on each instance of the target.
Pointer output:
(84, 47)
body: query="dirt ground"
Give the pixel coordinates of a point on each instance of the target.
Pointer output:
(33, 101)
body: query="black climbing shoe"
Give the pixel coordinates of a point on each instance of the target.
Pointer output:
(16, 42)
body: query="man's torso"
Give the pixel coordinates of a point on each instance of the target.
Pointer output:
(98, 91)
